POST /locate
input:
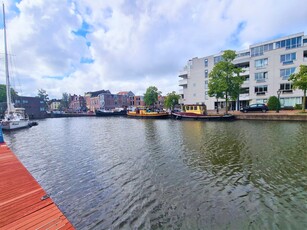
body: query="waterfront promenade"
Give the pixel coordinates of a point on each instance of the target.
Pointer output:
(23, 202)
(283, 115)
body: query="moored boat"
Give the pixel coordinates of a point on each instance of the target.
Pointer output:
(199, 112)
(14, 118)
(143, 113)
(109, 113)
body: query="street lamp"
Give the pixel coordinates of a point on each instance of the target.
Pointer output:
(278, 105)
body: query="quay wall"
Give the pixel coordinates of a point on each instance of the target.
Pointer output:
(272, 117)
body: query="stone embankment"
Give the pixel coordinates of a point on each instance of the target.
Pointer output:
(283, 115)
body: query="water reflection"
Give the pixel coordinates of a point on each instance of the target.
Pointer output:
(148, 174)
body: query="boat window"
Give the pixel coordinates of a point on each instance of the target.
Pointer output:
(195, 107)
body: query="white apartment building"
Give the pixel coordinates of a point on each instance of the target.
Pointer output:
(267, 67)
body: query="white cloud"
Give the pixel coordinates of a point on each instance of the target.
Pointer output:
(134, 44)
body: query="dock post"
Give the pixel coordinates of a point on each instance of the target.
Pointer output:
(1, 135)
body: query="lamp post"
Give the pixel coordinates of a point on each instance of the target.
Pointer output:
(278, 94)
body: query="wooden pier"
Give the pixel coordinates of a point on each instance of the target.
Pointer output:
(23, 202)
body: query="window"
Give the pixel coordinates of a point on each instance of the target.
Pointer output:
(286, 87)
(243, 54)
(287, 58)
(206, 95)
(246, 77)
(285, 73)
(206, 73)
(261, 63)
(289, 43)
(291, 101)
(25, 101)
(206, 62)
(244, 90)
(257, 51)
(217, 59)
(262, 76)
(261, 89)
(206, 84)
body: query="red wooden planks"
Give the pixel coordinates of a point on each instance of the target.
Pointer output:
(21, 205)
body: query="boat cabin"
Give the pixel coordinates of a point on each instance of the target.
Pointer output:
(196, 109)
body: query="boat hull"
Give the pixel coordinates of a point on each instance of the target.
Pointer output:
(149, 116)
(12, 125)
(190, 116)
(111, 114)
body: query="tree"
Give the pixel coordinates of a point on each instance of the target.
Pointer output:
(151, 96)
(216, 86)
(3, 93)
(225, 80)
(65, 101)
(171, 100)
(273, 103)
(42, 94)
(299, 81)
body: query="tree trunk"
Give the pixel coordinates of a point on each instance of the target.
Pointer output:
(226, 112)
(304, 101)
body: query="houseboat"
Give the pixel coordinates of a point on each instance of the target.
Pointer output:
(199, 112)
(110, 113)
(145, 113)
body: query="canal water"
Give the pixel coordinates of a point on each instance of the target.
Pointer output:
(120, 173)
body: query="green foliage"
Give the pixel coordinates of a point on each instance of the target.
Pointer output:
(273, 103)
(298, 106)
(65, 101)
(42, 94)
(3, 93)
(225, 81)
(299, 81)
(151, 95)
(171, 100)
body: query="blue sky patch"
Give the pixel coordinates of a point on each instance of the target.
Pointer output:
(85, 60)
(234, 39)
(84, 30)
(54, 77)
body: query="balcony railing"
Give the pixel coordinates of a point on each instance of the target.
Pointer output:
(287, 62)
(183, 82)
(244, 96)
(287, 91)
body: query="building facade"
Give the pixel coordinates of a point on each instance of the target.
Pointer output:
(267, 67)
(54, 104)
(35, 107)
(92, 99)
(77, 104)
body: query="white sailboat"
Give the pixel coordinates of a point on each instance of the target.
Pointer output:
(14, 118)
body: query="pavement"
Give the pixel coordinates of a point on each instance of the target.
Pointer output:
(269, 113)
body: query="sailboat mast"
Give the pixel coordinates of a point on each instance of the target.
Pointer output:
(8, 86)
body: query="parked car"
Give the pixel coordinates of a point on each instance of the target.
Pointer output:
(255, 107)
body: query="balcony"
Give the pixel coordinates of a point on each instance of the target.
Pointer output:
(183, 82)
(287, 62)
(244, 96)
(183, 73)
(180, 91)
(245, 71)
(286, 91)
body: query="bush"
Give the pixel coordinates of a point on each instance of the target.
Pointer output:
(273, 103)
(298, 106)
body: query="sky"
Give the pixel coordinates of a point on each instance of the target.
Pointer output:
(77, 46)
